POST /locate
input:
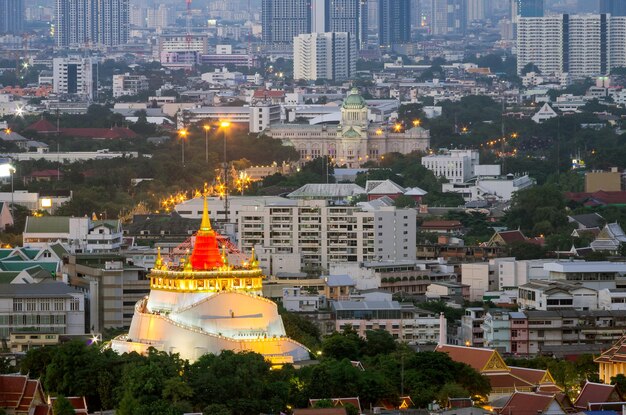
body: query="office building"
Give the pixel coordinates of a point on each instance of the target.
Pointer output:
(329, 56)
(283, 20)
(449, 17)
(11, 16)
(127, 84)
(340, 16)
(75, 76)
(394, 22)
(47, 308)
(92, 22)
(613, 7)
(529, 8)
(323, 233)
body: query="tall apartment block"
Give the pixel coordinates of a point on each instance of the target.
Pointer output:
(394, 22)
(283, 20)
(580, 45)
(92, 22)
(331, 55)
(11, 16)
(613, 7)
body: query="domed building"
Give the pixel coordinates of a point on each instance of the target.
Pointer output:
(203, 304)
(355, 140)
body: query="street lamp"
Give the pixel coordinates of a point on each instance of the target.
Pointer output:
(417, 122)
(207, 128)
(224, 126)
(182, 134)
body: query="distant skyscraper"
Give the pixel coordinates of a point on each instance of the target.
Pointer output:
(613, 7)
(340, 16)
(11, 16)
(449, 17)
(330, 55)
(530, 8)
(92, 22)
(394, 22)
(282, 20)
(475, 10)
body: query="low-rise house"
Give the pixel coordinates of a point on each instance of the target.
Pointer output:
(442, 226)
(557, 295)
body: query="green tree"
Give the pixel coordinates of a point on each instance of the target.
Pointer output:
(619, 381)
(403, 201)
(62, 406)
(216, 409)
(346, 345)
(526, 250)
(379, 342)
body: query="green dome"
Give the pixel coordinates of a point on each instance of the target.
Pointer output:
(354, 100)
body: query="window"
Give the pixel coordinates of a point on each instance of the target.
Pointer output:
(17, 304)
(75, 304)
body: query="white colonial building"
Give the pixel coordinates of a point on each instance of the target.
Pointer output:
(355, 140)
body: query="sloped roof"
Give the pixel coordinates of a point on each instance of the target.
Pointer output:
(524, 403)
(23, 265)
(42, 126)
(79, 404)
(340, 402)
(6, 277)
(11, 390)
(339, 281)
(507, 380)
(323, 190)
(47, 224)
(616, 353)
(44, 289)
(439, 224)
(415, 191)
(512, 236)
(384, 187)
(534, 376)
(588, 220)
(476, 357)
(595, 393)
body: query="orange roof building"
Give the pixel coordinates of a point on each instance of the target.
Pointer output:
(597, 396)
(526, 403)
(613, 361)
(22, 396)
(504, 379)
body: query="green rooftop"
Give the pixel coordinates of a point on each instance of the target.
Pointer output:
(47, 224)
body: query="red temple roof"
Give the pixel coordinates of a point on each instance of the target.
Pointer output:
(206, 253)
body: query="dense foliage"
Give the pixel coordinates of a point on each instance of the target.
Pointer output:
(243, 383)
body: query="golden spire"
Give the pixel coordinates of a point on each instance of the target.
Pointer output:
(253, 262)
(205, 225)
(158, 264)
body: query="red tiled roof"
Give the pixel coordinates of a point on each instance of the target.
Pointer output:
(112, 133)
(525, 403)
(42, 410)
(320, 411)
(341, 402)
(617, 352)
(11, 390)
(533, 376)
(442, 224)
(600, 197)
(45, 173)
(512, 236)
(79, 404)
(265, 93)
(42, 126)
(472, 356)
(507, 380)
(596, 393)
(28, 395)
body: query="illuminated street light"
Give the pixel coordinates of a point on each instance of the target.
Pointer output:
(207, 128)
(416, 123)
(225, 125)
(182, 134)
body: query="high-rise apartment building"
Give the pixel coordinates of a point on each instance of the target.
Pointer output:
(394, 22)
(613, 7)
(330, 55)
(75, 76)
(475, 10)
(92, 22)
(449, 17)
(323, 233)
(529, 8)
(283, 20)
(340, 16)
(580, 45)
(11, 16)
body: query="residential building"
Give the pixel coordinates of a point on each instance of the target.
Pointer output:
(394, 22)
(612, 299)
(298, 301)
(111, 287)
(491, 188)
(496, 330)
(11, 17)
(613, 7)
(92, 22)
(557, 295)
(256, 118)
(609, 181)
(328, 55)
(592, 274)
(341, 16)
(49, 308)
(530, 8)
(75, 76)
(180, 42)
(579, 45)
(478, 277)
(283, 20)
(472, 333)
(323, 233)
(127, 84)
(355, 140)
(404, 322)
(449, 17)
(458, 166)
(75, 234)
